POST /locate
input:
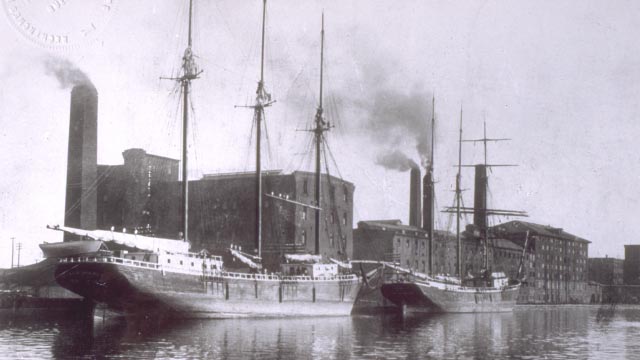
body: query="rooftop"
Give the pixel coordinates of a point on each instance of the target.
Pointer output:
(395, 225)
(518, 226)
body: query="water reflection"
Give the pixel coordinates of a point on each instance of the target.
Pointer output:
(548, 332)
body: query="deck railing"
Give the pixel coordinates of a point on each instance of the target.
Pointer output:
(208, 274)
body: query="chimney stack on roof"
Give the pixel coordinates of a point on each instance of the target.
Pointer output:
(428, 208)
(480, 197)
(415, 204)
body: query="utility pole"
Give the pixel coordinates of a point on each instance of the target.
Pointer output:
(19, 248)
(13, 239)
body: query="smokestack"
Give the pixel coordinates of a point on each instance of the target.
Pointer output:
(427, 202)
(81, 196)
(480, 197)
(414, 199)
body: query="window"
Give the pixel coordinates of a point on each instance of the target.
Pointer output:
(305, 187)
(333, 218)
(303, 238)
(168, 261)
(331, 240)
(344, 219)
(191, 264)
(180, 262)
(304, 214)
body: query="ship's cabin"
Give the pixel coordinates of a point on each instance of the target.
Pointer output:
(496, 280)
(178, 261)
(499, 280)
(313, 270)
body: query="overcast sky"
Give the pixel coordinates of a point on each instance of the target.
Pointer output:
(560, 78)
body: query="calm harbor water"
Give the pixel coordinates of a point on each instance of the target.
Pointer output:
(551, 332)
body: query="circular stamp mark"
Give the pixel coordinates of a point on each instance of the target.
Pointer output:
(59, 23)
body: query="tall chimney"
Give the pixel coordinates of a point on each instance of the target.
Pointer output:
(414, 199)
(480, 197)
(81, 197)
(427, 202)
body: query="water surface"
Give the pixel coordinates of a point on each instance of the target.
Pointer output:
(551, 332)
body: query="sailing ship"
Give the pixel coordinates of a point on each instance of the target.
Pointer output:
(486, 292)
(141, 274)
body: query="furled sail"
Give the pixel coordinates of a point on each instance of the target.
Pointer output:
(245, 258)
(132, 240)
(308, 258)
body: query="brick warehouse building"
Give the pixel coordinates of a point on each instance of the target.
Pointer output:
(406, 245)
(144, 194)
(556, 263)
(606, 270)
(554, 266)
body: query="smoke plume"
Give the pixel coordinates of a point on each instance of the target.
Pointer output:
(393, 118)
(396, 160)
(66, 72)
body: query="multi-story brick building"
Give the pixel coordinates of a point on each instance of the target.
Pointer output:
(391, 241)
(124, 191)
(606, 271)
(144, 193)
(553, 268)
(556, 262)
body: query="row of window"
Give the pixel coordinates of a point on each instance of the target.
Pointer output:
(332, 189)
(303, 238)
(332, 217)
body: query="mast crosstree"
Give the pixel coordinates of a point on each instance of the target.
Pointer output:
(482, 211)
(263, 100)
(321, 126)
(190, 71)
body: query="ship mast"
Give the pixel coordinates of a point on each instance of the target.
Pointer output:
(431, 186)
(320, 127)
(484, 211)
(263, 99)
(458, 198)
(190, 72)
(485, 231)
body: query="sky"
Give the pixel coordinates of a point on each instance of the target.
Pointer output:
(561, 79)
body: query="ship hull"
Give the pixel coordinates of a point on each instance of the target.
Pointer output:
(429, 297)
(134, 290)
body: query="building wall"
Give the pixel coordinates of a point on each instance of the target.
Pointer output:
(606, 271)
(336, 214)
(144, 194)
(560, 270)
(393, 242)
(555, 268)
(124, 191)
(373, 244)
(631, 265)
